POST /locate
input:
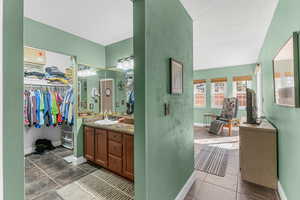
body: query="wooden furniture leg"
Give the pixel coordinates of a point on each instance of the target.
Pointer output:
(229, 128)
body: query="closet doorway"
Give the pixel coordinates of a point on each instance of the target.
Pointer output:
(49, 118)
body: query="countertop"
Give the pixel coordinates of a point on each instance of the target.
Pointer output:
(119, 127)
(265, 126)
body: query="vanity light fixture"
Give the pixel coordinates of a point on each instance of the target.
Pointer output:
(126, 63)
(86, 73)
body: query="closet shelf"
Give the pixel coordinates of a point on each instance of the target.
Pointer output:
(68, 140)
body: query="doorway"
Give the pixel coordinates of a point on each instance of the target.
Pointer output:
(107, 95)
(98, 85)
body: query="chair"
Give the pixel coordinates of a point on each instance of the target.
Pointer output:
(227, 117)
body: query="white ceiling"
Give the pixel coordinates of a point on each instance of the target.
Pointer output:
(101, 21)
(228, 32)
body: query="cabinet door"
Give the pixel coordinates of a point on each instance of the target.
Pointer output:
(115, 164)
(101, 147)
(128, 152)
(89, 143)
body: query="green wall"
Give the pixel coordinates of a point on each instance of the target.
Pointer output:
(162, 30)
(139, 43)
(284, 23)
(42, 36)
(118, 50)
(225, 72)
(13, 143)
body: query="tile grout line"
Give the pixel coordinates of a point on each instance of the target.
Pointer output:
(86, 190)
(46, 174)
(112, 186)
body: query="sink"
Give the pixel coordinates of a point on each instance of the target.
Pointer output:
(106, 122)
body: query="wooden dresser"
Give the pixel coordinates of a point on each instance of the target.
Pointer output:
(258, 154)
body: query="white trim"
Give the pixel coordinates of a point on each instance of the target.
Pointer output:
(198, 124)
(281, 192)
(1, 101)
(187, 186)
(78, 161)
(30, 150)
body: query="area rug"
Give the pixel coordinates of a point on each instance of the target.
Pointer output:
(213, 161)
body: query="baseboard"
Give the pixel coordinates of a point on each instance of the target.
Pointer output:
(186, 188)
(31, 149)
(199, 124)
(281, 192)
(79, 160)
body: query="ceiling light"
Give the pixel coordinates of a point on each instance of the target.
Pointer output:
(86, 73)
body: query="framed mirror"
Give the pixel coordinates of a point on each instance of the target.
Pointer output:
(101, 90)
(286, 73)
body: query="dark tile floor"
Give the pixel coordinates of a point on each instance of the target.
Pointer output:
(45, 174)
(230, 187)
(50, 177)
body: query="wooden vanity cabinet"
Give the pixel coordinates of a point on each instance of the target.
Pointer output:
(89, 143)
(111, 150)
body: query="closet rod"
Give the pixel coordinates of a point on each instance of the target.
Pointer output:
(46, 85)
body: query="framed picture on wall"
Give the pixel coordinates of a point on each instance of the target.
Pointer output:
(176, 69)
(286, 73)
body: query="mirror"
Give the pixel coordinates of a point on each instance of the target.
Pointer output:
(285, 71)
(104, 90)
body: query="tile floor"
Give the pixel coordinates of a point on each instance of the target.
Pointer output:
(230, 187)
(50, 177)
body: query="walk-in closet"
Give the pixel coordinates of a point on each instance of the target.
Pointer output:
(48, 100)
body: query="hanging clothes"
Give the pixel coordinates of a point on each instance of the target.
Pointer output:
(59, 101)
(42, 108)
(54, 108)
(67, 107)
(49, 108)
(27, 108)
(37, 109)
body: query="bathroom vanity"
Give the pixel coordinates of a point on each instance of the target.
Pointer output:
(111, 147)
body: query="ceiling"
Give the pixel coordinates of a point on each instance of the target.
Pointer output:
(101, 21)
(226, 32)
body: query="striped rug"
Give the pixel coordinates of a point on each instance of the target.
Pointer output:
(213, 161)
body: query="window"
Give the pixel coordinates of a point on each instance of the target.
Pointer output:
(200, 93)
(218, 92)
(239, 89)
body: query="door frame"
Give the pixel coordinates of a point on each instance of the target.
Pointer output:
(113, 93)
(1, 101)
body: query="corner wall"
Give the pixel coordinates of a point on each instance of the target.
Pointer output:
(45, 37)
(12, 91)
(284, 23)
(224, 72)
(118, 50)
(162, 30)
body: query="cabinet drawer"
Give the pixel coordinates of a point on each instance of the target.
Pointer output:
(117, 137)
(115, 164)
(115, 148)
